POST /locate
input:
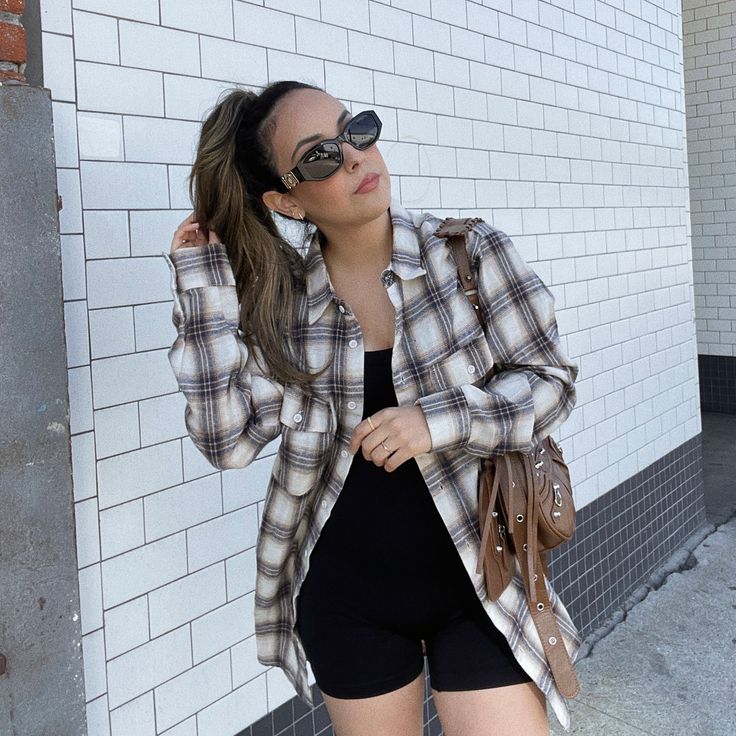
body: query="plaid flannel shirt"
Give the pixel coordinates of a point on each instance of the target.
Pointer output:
(440, 358)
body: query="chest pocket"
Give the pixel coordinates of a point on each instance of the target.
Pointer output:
(470, 363)
(307, 431)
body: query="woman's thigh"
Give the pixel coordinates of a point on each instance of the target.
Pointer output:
(467, 652)
(478, 686)
(399, 712)
(371, 675)
(496, 711)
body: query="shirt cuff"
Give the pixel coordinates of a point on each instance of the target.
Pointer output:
(448, 418)
(201, 265)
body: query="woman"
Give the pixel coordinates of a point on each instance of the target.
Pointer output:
(366, 358)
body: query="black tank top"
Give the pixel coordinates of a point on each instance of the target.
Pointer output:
(384, 525)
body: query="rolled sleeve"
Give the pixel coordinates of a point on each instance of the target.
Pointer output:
(202, 265)
(533, 390)
(232, 406)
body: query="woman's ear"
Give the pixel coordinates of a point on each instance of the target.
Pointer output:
(283, 204)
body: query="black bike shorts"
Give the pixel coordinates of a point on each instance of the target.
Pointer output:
(365, 639)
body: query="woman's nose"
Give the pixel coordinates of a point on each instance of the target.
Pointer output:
(352, 156)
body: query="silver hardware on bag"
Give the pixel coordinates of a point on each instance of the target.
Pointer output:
(552, 640)
(520, 517)
(540, 606)
(558, 495)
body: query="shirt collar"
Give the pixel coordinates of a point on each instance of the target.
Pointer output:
(406, 261)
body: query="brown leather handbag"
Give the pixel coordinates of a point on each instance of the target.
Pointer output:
(525, 504)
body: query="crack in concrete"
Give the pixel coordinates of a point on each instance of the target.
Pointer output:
(682, 559)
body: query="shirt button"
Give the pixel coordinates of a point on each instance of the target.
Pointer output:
(324, 504)
(351, 405)
(344, 453)
(342, 309)
(297, 417)
(471, 369)
(353, 343)
(467, 543)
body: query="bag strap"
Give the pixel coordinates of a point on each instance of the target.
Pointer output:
(530, 559)
(455, 229)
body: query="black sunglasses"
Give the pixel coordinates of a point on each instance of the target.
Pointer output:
(324, 159)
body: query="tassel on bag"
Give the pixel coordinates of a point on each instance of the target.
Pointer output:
(525, 505)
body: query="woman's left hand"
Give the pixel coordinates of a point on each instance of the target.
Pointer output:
(398, 434)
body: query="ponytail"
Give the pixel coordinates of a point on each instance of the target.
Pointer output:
(233, 167)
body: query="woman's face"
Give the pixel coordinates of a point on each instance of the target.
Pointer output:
(333, 202)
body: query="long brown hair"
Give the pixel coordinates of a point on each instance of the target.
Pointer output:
(233, 167)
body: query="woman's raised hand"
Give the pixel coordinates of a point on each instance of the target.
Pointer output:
(189, 234)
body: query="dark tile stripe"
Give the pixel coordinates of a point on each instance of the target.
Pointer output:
(717, 375)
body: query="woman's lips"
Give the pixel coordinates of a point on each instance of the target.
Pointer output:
(369, 182)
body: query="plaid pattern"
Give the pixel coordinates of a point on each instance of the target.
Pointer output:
(440, 359)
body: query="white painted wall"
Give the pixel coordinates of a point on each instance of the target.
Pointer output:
(562, 123)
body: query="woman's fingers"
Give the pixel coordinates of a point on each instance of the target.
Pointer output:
(191, 234)
(183, 234)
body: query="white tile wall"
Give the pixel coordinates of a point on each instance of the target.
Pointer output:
(245, 704)
(136, 716)
(186, 599)
(72, 267)
(96, 37)
(232, 61)
(126, 626)
(562, 124)
(214, 18)
(100, 136)
(65, 131)
(710, 86)
(192, 690)
(106, 88)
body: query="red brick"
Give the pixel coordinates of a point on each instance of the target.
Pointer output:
(12, 43)
(12, 6)
(7, 74)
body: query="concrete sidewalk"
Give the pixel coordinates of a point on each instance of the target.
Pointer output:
(668, 668)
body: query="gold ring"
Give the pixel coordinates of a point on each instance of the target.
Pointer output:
(383, 444)
(371, 424)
